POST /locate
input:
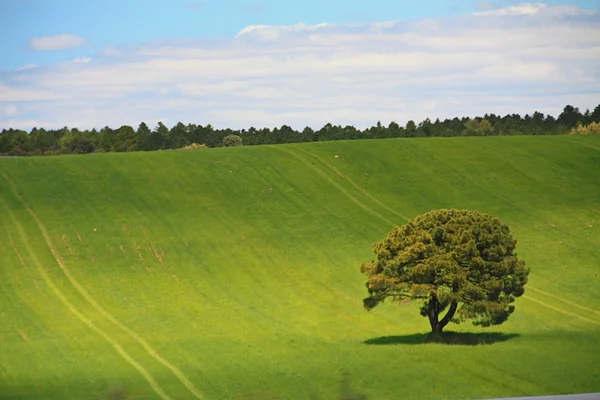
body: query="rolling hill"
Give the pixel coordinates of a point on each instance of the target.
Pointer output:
(233, 273)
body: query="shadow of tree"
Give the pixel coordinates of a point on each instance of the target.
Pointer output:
(450, 338)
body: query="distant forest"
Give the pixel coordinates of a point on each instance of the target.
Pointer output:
(40, 141)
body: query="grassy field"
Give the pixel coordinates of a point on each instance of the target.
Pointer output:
(233, 273)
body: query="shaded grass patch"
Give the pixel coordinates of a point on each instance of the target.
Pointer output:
(450, 338)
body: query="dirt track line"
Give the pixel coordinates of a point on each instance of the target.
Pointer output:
(68, 246)
(320, 172)
(482, 375)
(22, 261)
(137, 250)
(182, 378)
(591, 146)
(563, 300)
(23, 335)
(359, 188)
(151, 247)
(561, 310)
(78, 235)
(153, 384)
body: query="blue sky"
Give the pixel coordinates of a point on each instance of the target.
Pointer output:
(117, 22)
(268, 63)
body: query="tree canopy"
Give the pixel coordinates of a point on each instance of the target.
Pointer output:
(460, 260)
(66, 140)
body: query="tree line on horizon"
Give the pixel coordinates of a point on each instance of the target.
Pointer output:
(40, 141)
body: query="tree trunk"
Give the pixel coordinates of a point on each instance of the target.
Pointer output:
(449, 315)
(433, 312)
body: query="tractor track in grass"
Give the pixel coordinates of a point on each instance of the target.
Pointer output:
(22, 261)
(17, 307)
(571, 303)
(340, 188)
(359, 188)
(182, 378)
(560, 310)
(589, 146)
(515, 377)
(481, 375)
(57, 292)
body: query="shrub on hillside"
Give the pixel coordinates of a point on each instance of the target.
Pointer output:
(52, 151)
(193, 146)
(232, 140)
(17, 152)
(590, 129)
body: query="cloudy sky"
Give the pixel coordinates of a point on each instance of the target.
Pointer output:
(239, 64)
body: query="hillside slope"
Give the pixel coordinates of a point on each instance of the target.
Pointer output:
(233, 273)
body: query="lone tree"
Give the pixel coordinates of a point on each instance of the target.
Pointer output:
(459, 260)
(232, 140)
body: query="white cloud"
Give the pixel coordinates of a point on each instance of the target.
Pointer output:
(517, 9)
(251, 28)
(18, 93)
(9, 110)
(502, 62)
(272, 32)
(26, 67)
(56, 42)
(82, 60)
(111, 51)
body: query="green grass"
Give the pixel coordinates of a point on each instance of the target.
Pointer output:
(233, 273)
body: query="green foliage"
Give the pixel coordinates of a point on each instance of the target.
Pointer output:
(595, 115)
(570, 117)
(479, 127)
(126, 139)
(458, 259)
(232, 140)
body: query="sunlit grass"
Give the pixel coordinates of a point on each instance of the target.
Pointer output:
(233, 273)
